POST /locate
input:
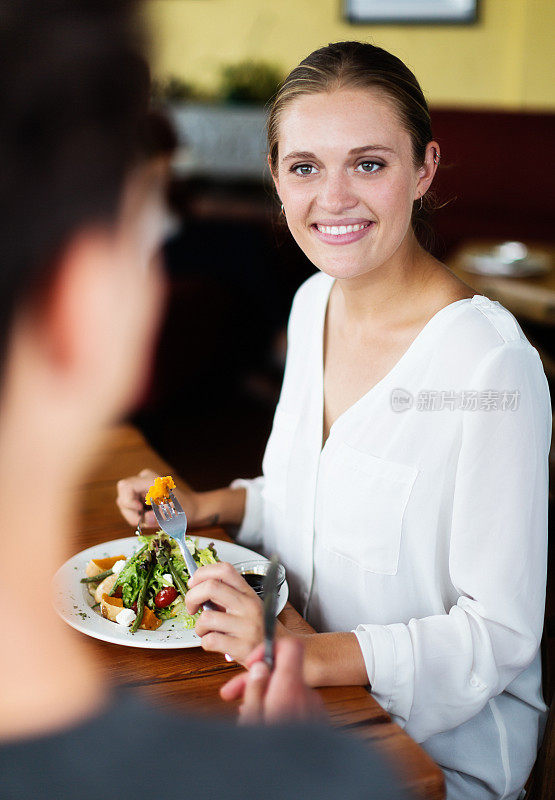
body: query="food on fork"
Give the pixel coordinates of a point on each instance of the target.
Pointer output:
(160, 490)
(149, 587)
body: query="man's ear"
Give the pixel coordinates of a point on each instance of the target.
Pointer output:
(72, 318)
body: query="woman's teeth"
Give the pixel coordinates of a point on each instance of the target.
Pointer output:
(339, 230)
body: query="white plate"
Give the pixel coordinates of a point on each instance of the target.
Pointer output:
(74, 604)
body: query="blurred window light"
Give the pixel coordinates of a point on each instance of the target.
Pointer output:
(220, 141)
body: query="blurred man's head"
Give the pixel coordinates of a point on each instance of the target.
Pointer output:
(79, 217)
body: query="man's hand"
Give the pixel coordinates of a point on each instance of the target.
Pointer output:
(277, 697)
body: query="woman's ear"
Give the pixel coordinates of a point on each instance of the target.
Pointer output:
(428, 169)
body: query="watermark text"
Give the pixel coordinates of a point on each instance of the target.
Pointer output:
(463, 400)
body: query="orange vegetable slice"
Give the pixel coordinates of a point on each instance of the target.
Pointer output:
(98, 565)
(150, 621)
(110, 607)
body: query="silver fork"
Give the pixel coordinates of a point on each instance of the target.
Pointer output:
(173, 521)
(139, 531)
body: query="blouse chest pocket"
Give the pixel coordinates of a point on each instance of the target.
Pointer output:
(364, 503)
(277, 456)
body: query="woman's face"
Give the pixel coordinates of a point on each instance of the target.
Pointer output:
(347, 180)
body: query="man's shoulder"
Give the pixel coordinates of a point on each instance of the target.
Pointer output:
(145, 750)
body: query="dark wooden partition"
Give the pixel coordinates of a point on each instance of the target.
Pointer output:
(497, 167)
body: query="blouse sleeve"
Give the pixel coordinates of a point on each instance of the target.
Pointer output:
(250, 532)
(437, 672)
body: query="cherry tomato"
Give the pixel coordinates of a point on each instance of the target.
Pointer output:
(134, 607)
(165, 596)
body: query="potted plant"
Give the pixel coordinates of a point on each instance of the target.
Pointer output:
(223, 136)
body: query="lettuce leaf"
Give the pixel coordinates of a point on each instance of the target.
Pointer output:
(184, 619)
(130, 586)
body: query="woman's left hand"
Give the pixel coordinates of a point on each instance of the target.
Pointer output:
(236, 628)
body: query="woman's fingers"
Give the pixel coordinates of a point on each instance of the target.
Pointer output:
(246, 631)
(129, 505)
(243, 632)
(216, 642)
(149, 520)
(217, 592)
(222, 584)
(218, 621)
(222, 571)
(130, 497)
(237, 648)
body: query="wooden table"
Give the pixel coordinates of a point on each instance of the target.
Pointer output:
(191, 678)
(531, 298)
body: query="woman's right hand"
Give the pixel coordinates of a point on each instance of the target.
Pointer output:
(131, 495)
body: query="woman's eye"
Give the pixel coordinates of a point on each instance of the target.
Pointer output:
(304, 169)
(369, 166)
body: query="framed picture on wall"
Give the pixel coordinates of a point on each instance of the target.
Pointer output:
(411, 11)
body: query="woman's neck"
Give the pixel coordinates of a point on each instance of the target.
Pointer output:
(383, 294)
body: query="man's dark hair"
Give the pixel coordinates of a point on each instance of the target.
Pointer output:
(74, 91)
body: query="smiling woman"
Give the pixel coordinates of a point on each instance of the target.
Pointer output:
(414, 542)
(344, 95)
(339, 194)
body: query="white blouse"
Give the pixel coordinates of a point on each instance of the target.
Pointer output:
(422, 526)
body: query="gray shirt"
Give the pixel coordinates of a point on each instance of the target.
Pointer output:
(134, 751)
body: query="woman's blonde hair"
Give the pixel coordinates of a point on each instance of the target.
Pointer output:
(362, 66)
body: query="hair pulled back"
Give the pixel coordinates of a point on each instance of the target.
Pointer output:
(362, 66)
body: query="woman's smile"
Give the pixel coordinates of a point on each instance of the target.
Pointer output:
(343, 231)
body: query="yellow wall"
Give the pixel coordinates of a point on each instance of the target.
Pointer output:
(506, 60)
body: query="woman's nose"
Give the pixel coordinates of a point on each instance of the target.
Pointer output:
(336, 195)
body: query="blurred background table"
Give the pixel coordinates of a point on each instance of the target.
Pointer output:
(530, 298)
(190, 679)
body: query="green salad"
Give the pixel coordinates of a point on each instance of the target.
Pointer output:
(153, 582)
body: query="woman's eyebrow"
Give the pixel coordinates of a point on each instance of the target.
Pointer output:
(297, 154)
(355, 151)
(302, 154)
